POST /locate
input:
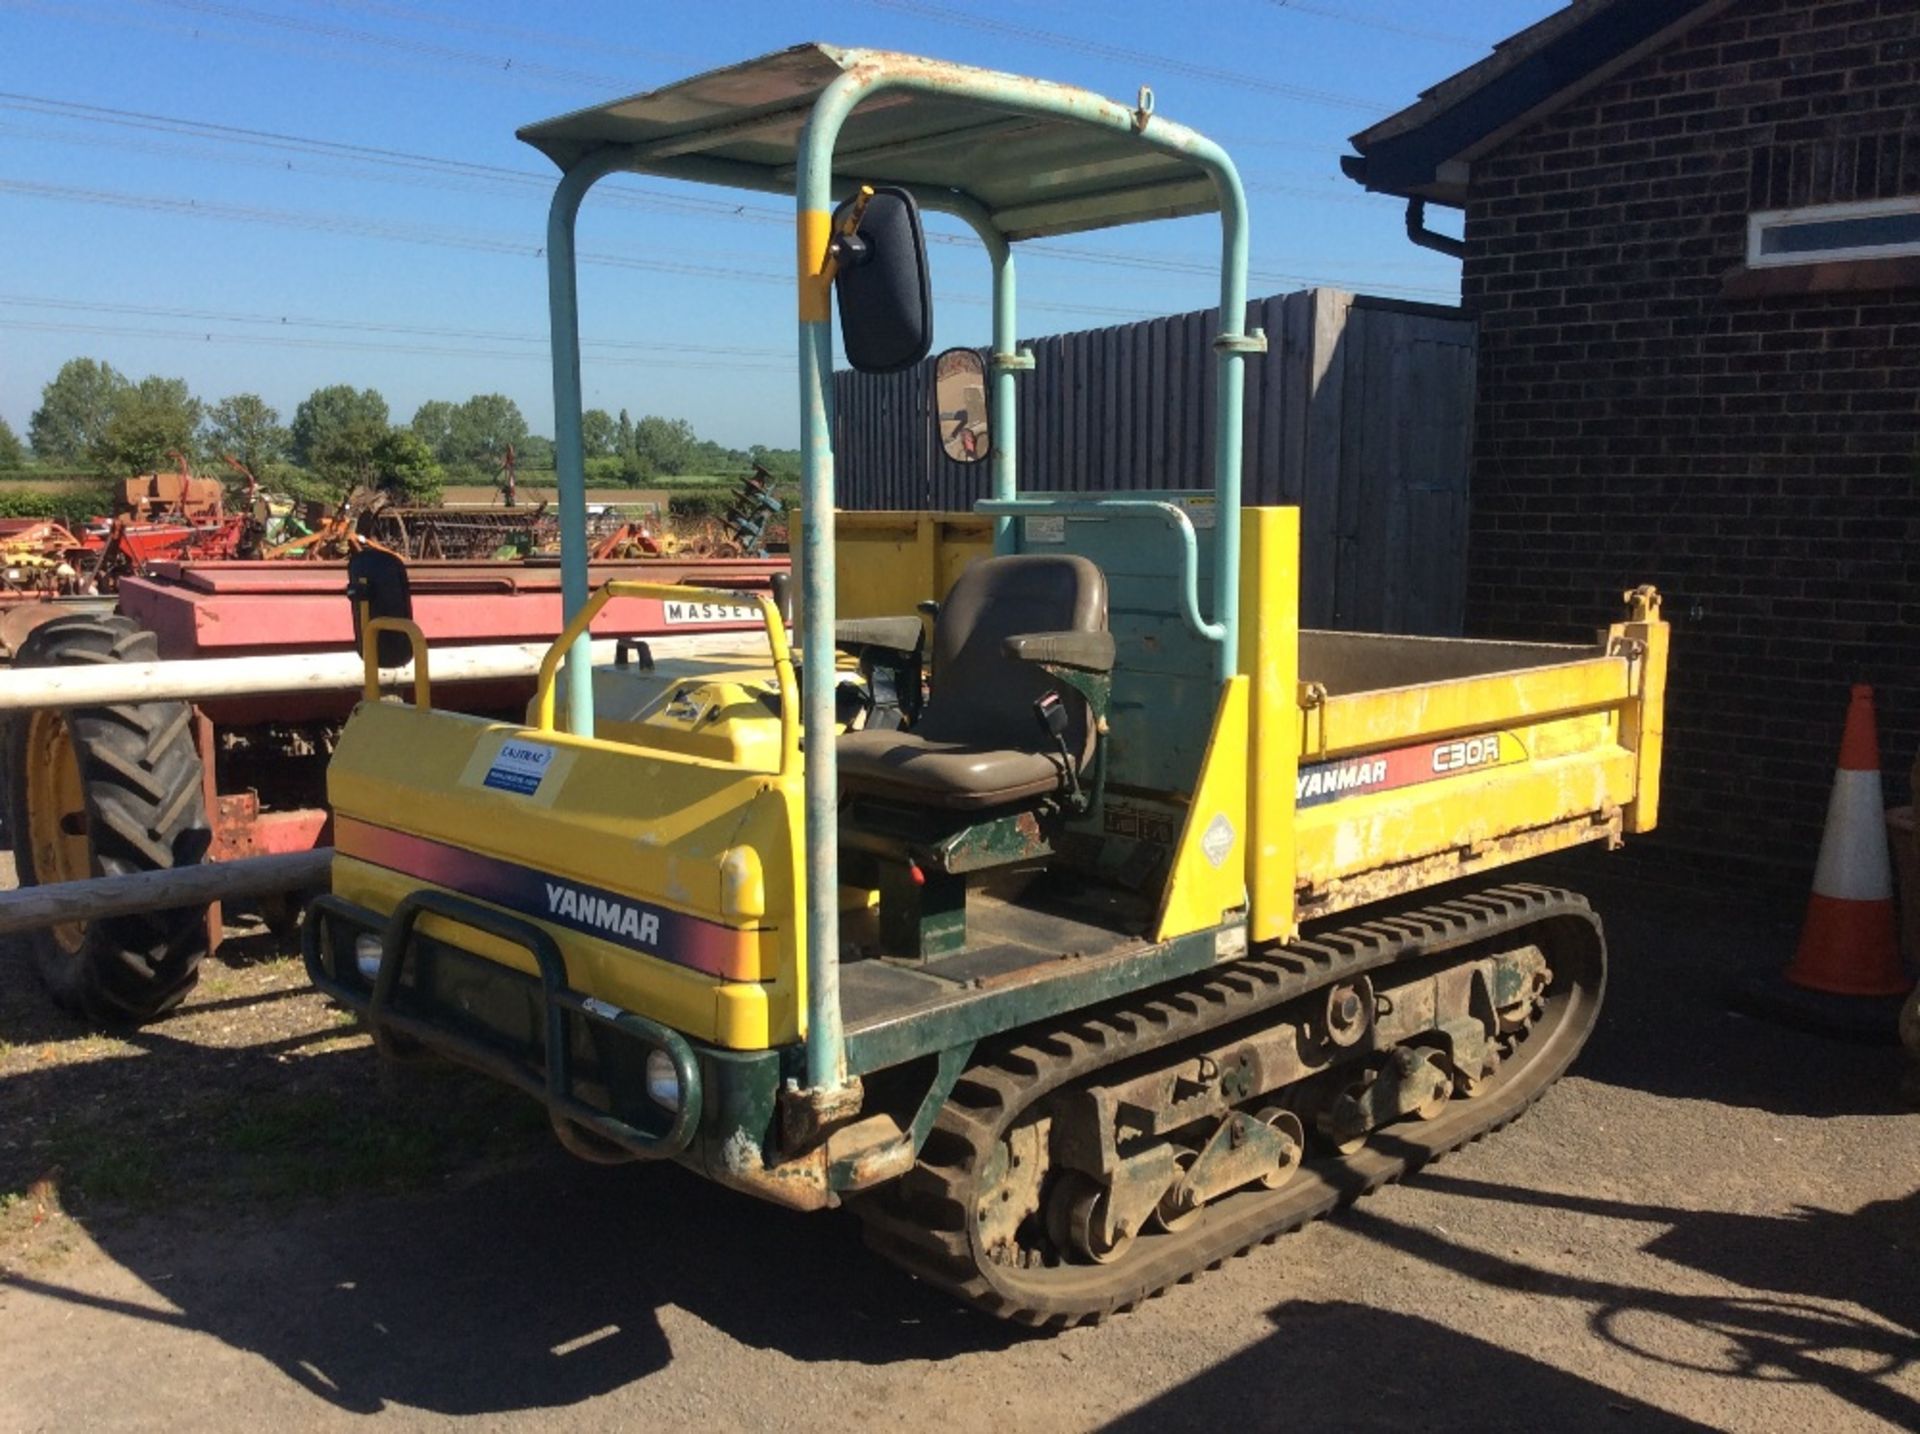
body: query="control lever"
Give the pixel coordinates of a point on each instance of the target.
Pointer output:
(1050, 711)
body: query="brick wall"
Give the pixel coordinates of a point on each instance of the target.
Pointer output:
(1758, 458)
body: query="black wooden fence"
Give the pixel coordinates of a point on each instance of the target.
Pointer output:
(1360, 412)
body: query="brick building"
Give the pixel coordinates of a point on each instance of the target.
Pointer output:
(1692, 241)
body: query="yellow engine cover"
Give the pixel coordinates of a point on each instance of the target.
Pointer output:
(669, 879)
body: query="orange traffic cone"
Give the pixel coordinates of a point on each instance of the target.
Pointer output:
(1848, 947)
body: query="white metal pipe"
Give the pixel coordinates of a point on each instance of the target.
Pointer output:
(193, 679)
(34, 908)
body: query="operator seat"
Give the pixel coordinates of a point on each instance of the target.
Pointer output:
(979, 744)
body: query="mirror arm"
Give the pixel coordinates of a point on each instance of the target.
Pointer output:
(846, 243)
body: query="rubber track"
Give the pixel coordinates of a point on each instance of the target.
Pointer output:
(924, 1223)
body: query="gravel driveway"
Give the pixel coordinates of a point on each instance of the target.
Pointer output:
(1712, 1223)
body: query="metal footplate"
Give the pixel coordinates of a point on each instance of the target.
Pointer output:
(552, 1082)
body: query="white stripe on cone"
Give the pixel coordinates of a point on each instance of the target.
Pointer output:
(1853, 850)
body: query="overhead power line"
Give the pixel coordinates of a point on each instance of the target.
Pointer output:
(165, 18)
(292, 321)
(1151, 64)
(446, 238)
(414, 168)
(425, 49)
(448, 19)
(1370, 22)
(190, 336)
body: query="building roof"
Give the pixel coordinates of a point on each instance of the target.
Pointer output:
(1426, 151)
(1034, 174)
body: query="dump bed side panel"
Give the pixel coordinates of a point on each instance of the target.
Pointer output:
(1490, 753)
(1382, 764)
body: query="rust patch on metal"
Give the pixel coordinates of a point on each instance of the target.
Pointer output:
(1345, 893)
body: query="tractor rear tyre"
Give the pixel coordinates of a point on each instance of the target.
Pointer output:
(108, 791)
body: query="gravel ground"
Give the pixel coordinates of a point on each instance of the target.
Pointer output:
(1713, 1223)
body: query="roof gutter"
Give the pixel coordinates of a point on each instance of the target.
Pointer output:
(1432, 239)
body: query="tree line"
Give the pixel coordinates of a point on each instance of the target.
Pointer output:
(93, 418)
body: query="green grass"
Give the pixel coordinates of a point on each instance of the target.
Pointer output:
(103, 1163)
(300, 1146)
(273, 1146)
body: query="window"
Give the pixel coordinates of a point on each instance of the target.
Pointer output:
(1875, 229)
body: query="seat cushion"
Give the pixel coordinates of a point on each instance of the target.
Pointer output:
(981, 696)
(952, 775)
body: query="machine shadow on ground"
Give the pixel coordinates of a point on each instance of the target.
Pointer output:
(1774, 1335)
(533, 1288)
(1336, 1365)
(1860, 1256)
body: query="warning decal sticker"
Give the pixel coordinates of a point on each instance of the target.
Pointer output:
(1405, 767)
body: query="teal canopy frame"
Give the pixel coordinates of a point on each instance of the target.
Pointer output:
(933, 120)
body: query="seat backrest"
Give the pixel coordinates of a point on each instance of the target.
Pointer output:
(981, 696)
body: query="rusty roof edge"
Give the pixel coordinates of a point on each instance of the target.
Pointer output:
(552, 130)
(681, 130)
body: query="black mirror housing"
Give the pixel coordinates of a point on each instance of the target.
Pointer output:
(885, 292)
(377, 586)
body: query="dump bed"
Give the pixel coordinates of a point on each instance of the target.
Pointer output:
(1421, 759)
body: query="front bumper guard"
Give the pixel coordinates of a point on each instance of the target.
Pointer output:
(551, 1084)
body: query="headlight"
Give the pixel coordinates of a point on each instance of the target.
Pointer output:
(663, 1081)
(366, 955)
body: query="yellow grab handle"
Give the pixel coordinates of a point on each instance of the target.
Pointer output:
(370, 655)
(679, 592)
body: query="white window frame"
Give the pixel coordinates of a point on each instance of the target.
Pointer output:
(1764, 219)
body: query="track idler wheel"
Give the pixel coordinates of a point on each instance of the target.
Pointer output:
(1286, 1125)
(1080, 1219)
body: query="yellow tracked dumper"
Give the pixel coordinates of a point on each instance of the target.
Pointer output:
(1037, 887)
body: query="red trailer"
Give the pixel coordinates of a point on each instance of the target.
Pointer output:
(111, 790)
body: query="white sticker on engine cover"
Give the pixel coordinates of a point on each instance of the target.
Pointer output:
(519, 767)
(1046, 528)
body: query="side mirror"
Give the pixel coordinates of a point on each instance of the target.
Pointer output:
(880, 272)
(377, 587)
(960, 406)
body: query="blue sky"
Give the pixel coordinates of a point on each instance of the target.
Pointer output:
(180, 192)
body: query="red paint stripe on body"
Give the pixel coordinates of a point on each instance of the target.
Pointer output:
(639, 925)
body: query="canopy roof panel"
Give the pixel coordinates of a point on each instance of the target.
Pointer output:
(1033, 174)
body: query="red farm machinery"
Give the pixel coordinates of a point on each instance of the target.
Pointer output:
(221, 760)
